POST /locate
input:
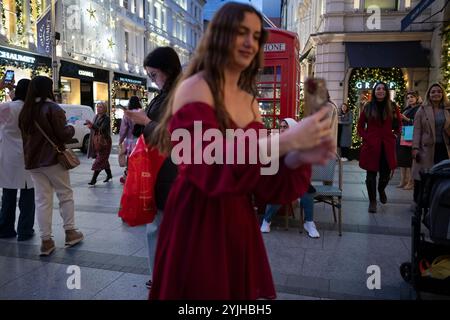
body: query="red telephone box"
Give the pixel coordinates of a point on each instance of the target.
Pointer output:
(279, 83)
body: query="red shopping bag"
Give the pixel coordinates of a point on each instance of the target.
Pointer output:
(137, 205)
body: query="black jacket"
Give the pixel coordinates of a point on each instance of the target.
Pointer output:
(168, 172)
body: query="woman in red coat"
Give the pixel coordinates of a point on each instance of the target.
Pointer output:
(378, 124)
(209, 245)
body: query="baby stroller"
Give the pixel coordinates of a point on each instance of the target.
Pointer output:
(433, 210)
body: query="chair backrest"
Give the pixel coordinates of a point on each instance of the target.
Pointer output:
(324, 173)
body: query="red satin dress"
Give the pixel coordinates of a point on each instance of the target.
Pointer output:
(210, 246)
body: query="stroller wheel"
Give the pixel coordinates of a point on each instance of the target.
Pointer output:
(405, 271)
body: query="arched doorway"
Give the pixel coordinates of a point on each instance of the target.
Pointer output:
(360, 84)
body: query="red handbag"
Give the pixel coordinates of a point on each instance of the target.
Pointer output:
(137, 205)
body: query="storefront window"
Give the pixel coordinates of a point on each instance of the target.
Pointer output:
(25, 66)
(120, 94)
(71, 90)
(100, 92)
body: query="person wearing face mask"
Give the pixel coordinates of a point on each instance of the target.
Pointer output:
(431, 143)
(378, 125)
(163, 68)
(404, 157)
(100, 143)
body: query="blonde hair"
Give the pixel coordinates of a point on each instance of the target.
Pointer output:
(444, 101)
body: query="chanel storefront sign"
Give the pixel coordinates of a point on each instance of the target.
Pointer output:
(85, 73)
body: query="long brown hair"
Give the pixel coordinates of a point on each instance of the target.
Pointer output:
(40, 87)
(211, 56)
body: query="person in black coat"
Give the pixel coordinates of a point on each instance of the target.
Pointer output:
(100, 143)
(163, 68)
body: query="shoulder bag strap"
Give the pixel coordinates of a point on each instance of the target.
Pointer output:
(46, 136)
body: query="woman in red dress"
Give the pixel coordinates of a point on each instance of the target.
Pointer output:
(209, 245)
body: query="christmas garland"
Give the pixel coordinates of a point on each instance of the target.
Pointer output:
(445, 67)
(372, 75)
(20, 22)
(35, 11)
(2, 9)
(35, 71)
(41, 70)
(2, 92)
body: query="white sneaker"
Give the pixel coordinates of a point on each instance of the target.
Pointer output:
(311, 229)
(265, 227)
(344, 159)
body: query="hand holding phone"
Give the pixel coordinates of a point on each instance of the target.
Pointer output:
(9, 77)
(316, 95)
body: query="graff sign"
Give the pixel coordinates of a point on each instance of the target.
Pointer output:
(370, 84)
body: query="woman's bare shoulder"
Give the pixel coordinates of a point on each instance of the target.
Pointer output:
(192, 89)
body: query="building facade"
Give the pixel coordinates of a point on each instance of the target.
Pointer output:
(101, 44)
(354, 43)
(344, 39)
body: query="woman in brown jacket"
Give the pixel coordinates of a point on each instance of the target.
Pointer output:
(40, 156)
(431, 142)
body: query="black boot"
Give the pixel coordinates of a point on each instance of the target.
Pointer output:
(382, 183)
(94, 178)
(371, 185)
(108, 175)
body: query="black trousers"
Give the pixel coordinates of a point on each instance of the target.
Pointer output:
(344, 152)
(384, 170)
(8, 212)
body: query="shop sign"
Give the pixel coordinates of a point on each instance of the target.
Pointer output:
(85, 73)
(275, 47)
(128, 80)
(44, 32)
(366, 85)
(17, 57)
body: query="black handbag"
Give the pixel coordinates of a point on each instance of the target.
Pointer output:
(67, 158)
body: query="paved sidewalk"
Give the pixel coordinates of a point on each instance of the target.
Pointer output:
(113, 256)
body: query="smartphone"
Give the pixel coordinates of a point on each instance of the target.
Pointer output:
(316, 95)
(9, 76)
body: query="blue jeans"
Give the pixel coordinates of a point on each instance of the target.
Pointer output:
(8, 212)
(152, 231)
(307, 202)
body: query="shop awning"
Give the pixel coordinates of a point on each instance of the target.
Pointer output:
(407, 54)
